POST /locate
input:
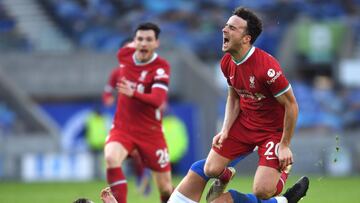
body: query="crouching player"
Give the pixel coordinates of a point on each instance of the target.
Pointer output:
(261, 110)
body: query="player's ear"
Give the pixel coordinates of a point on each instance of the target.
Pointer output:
(247, 39)
(157, 43)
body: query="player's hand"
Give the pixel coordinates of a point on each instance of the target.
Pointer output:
(219, 139)
(107, 196)
(125, 87)
(285, 156)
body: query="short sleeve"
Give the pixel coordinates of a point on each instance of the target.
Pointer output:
(162, 76)
(275, 79)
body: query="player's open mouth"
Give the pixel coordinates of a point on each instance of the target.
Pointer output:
(144, 51)
(225, 40)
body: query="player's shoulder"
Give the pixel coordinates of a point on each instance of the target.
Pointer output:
(225, 60)
(160, 61)
(125, 51)
(265, 57)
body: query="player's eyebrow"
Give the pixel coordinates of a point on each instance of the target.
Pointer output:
(234, 27)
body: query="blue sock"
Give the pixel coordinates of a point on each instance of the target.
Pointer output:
(248, 198)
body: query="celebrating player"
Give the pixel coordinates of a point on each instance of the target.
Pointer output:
(137, 123)
(261, 110)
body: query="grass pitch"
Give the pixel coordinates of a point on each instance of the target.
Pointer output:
(322, 189)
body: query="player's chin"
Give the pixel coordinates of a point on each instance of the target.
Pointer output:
(225, 48)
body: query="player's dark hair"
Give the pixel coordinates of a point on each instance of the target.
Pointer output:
(254, 24)
(149, 26)
(83, 200)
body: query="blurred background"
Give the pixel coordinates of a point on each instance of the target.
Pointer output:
(56, 56)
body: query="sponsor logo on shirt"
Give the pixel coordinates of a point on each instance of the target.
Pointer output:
(271, 72)
(248, 94)
(273, 79)
(160, 71)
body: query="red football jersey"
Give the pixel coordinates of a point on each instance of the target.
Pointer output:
(258, 80)
(133, 114)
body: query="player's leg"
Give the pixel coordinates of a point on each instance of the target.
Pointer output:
(268, 180)
(216, 164)
(115, 152)
(265, 181)
(142, 174)
(191, 187)
(292, 195)
(234, 196)
(163, 182)
(153, 150)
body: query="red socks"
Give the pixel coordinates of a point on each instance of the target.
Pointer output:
(117, 182)
(164, 198)
(280, 185)
(225, 176)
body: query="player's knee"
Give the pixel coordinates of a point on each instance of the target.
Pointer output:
(166, 189)
(198, 168)
(111, 161)
(263, 191)
(212, 169)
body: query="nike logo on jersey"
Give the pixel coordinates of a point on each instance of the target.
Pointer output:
(271, 158)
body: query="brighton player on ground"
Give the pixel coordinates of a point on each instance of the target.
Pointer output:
(261, 110)
(137, 123)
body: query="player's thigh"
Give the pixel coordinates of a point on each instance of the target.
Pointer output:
(154, 152)
(117, 147)
(265, 181)
(115, 153)
(163, 181)
(215, 164)
(219, 158)
(224, 198)
(192, 186)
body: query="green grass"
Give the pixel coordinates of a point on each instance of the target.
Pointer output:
(322, 189)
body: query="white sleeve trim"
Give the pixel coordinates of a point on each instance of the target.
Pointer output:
(283, 91)
(162, 86)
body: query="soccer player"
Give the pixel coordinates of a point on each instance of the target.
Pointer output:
(142, 174)
(137, 123)
(261, 110)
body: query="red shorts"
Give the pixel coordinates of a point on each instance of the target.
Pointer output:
(151, 147)
(242, 141)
